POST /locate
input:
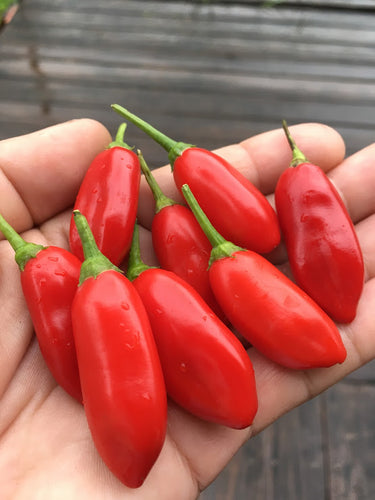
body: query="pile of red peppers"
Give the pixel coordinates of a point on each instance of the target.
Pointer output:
(121, 342)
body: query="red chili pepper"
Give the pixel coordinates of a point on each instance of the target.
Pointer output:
(49, 280)
(236, 208)
(179, 243)
(206, 368)
(322, 245)
(270, 311)
(108, 197)
(122, 382)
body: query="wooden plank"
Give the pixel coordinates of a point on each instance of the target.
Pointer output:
(352, 441)
(248, 77)
(232, 48)
(283, 462)
(366, 374)
(142, 20)
(321, 4)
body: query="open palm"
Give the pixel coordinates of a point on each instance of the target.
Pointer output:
(46, 451)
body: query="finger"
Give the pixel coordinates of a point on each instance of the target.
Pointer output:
(355, 180)
(54, 231)
(16, 329)
(206, 447)
(267, 155)
(366, 236)
(261, 159)
(41, 172)
(147, 251)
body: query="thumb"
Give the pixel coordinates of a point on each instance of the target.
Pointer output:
(40, 173)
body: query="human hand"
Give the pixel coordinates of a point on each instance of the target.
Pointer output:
(45, 445)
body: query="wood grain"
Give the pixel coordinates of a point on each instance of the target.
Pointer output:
(208, 73)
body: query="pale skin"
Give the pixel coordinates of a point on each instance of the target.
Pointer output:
(45, 445)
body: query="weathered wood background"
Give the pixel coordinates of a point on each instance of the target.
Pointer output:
(213, 73)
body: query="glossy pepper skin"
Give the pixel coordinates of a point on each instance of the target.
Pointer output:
(49, 279)
(122, 382)
(322, 245)
(179, 243)
(108, 197)
(226, 196)
(206, 369)
(277, 318)
(222, 191)
(270, 311)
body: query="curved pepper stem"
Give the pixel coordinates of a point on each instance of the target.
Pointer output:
(136, 266)
(95, 262)
(220, 246)
(298, 156)
(119, 139)
(24, 251)
(161, 200)
(173, 148)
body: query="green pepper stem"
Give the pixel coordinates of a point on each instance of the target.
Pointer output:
(95, 262)
(173, 148)
(24, 251)
(119, 139)
(11, 235)
(298, 156)
(220, 246)
(161, 200)
(136, 266)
